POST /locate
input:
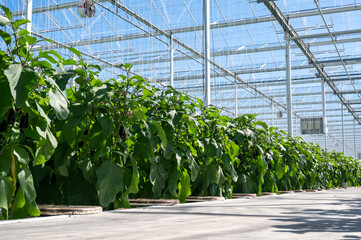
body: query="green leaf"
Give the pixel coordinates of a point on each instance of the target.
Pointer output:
(4, 21)
(21, 81)
(27, 184)
(106, 124)
(212, 148)
(70, 131)
(21, 155)
(5, 160)
(6, 190)
(110, 182)
(228, 166)
(62, 78)
(133, 186)
(75, 51)
(20, 22)
(23, 32)
(184, 187)
(158, 175)
(168, 150)
(193, 166)
(45, 147)
(7, 12)
(174, 176)
(161, 132)
(263, 124)
(213, 175)
(6, 36)
(249, 184)
(60, 104)
(42, 113)
(19, 200)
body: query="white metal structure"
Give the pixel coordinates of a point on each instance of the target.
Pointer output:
(236, 60)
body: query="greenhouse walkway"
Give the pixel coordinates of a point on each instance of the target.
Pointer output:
(331, 214)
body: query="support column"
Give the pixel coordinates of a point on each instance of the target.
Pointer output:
(273, 118)
(289, 86)
(29, 14)
(324, 110)
(343, 131)
(171, 61)
(206, 36)
(235, 99)
(354, 138)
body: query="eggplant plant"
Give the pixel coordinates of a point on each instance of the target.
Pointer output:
(102, 142)
(30, 99)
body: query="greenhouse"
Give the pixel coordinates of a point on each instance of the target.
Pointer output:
(107, 102)
(246, 44)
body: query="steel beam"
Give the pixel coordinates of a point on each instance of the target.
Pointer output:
(235, 99)
(354, 138)
(282, 20)
(51, 8)
(334, 34)
(29, 14)
(240, 22)
(171, 49)
(324, 110)
(349, 92)
(207, 53)
(343, 130)
(245, 84)
(288, 87)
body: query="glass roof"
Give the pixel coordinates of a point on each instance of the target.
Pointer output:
(246, 40)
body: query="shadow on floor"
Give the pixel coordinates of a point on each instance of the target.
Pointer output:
(346, 220)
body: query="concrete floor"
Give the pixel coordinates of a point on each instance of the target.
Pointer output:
(332, 214)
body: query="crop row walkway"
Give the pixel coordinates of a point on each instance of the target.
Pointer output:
(331, 214)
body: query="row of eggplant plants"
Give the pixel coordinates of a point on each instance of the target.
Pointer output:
(103, 142)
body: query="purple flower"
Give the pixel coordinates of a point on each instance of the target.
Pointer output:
(128, 113)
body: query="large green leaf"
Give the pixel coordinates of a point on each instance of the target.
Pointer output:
(133, 186)
(20, 22)
(214, 175)
(7, 12)
(6, 37)
(60, 104)
(184, 187)
(106, 124)
(75, 51)
(19, 200)
(193, 166)
(161, 132)
(5, 96)
(21, 81)
(110, 182)
(21, 155)
(174, 176)
(45, 147)
(27, 184)
(6, 190)
(168, 150)
(5, 160)
(228, 166)
(249, 184)
(62, 78)
(158, 175)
